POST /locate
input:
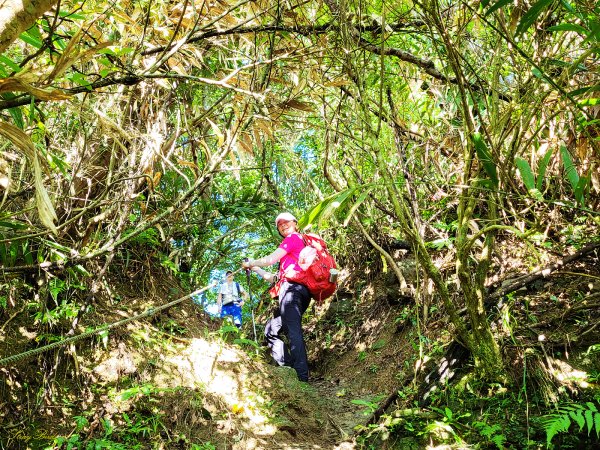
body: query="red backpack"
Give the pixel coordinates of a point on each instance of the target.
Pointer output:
(317, 264)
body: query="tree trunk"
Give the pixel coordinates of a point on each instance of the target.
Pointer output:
(17, 16)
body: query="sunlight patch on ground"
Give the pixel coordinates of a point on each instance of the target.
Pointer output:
(567, 375)
(223, 372)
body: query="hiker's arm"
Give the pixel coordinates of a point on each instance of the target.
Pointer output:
(270, 277)
(265, 261)
(219, 302)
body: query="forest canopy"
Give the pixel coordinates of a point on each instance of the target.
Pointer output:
(174, 132)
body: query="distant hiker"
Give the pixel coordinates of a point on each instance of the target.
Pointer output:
(229, 300)
(294, 298)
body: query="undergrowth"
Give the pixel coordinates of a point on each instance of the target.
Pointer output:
(499, 418)
(568, 417)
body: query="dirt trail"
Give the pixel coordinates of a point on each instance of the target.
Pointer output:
(343, 415)
(332, 406)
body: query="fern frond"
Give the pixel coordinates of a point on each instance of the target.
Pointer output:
(585, 416)
(554, 424)
(589, 420)
(499, 440)
(577, 415)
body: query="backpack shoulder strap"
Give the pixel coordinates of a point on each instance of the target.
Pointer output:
(238, 289)
(304, 239)
(309, 239)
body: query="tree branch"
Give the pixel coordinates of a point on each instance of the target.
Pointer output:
(542, 273)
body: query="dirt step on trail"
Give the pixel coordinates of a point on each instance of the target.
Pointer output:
(343, 414)
(325, 413)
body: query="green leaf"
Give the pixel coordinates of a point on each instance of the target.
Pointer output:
(539, 74)
(335, 204)
(499, 440)
(498, 5)
(328, 206)
(106, 51)
(82, 270)
(597, 424)
(589, 102)
(35, 32)
(568, 6)
(557, 423)
(569, 27)
(448, 413)
(542, 169)
(32, 109)
(531, 16)
(60, 44)
(80, 79)
(526, 173)
(378, 345)
(29, 39)
(589, 420)
(28, 258)
(485, 157)
(313, 214)
(577, 416)
(71, 15)
(361, 402)
(570, 170)
(56, 245)
(594, 31)
(10, 63)
(228, 329)
(17, 116)
(13, 225)
(581, 188)
(243, 341)
(528, 178)
(359, 201)
(13, 252)
(105, 72)
(56, 286)
(440, 243)
(59, 163)
(585, 90)
(561, 63)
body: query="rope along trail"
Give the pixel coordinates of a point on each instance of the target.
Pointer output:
(14, 358)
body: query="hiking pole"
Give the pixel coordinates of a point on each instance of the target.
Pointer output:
(251, 305)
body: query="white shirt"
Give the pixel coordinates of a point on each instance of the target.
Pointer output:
(229, 292)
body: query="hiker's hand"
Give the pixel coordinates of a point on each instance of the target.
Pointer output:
(264, 274)
(247, 264)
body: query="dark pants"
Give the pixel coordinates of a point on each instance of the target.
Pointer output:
(294, 298)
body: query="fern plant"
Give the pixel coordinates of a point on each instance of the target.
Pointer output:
(585, 416)
(493, 433)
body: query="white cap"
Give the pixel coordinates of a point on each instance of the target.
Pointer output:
(284, 217)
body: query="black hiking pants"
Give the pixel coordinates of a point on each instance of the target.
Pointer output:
(294, 299)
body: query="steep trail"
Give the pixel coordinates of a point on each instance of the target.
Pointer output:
(343, 415)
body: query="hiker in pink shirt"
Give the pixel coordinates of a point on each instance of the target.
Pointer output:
(294, 298)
